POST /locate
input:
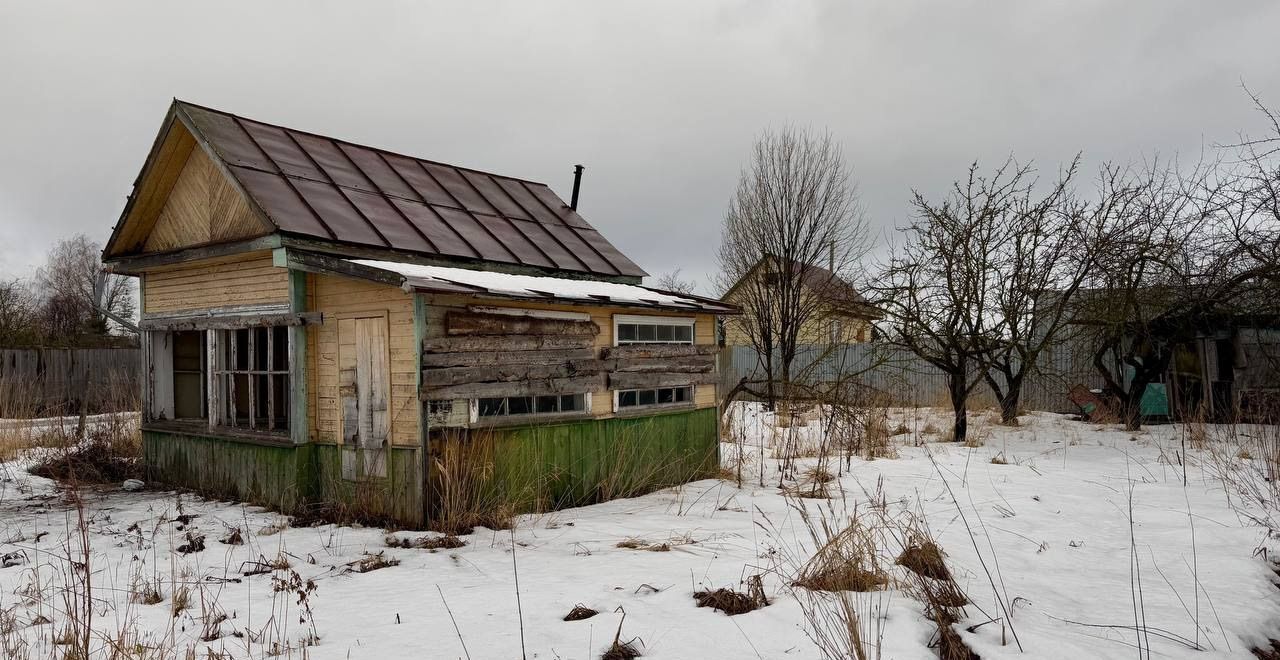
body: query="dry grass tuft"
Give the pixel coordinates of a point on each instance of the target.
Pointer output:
(432, 543)
(999, 459)
(371, 562)
(641, 544)
(145, 592)
(621, 651)
(734, 602)
(110, 453)
(181, 601)
(580, 612)
(846, 562)
(924, 558)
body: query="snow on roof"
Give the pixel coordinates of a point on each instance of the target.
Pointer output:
(442, 279)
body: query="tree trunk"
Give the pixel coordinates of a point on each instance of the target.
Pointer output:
(1009, 403)
(1132, 412)
(959, 395)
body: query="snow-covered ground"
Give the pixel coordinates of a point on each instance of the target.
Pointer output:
(1060, 527)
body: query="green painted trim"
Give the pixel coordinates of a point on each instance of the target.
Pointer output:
(298, 401)
(279, 258)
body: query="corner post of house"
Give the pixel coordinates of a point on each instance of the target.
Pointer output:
(420, 333)
(298, 400)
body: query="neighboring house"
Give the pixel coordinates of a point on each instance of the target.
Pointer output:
(317, 316)
(845, 317)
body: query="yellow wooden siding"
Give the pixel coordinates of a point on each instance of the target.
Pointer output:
(241, 280)
(203, 207)
(704, 396)
(345, 298)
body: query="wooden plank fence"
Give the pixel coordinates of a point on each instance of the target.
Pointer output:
(39, 382)
(908, 380)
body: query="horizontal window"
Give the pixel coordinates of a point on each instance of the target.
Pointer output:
(531, 405)
(660, 396)
(652, 330)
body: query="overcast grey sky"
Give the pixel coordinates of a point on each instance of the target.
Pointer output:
(660, 100)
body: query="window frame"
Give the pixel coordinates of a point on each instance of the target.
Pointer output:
(474, 417)
(628, 319)
(222, 390)
(687, 403)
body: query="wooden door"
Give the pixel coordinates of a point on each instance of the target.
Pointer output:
(364, 388)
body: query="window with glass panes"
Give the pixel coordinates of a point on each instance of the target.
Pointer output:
(658, 396)
(652, 330)
(530, 405)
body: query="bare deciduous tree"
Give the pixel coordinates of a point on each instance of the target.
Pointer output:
(78, 295)
(18, 311)
(939, 291)
(671, 281)
(795, 212)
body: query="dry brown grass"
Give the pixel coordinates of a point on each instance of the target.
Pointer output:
(733, 602)
(923, 557)
(432, 543)
(846, 561)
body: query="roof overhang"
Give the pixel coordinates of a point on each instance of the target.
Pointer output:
(497, 285)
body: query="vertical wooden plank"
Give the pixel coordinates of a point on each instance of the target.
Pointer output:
(420, 333)
(252, 339)
(231, 379)
(271, 391)
(373, 386)
(212, 365)
(297, 399)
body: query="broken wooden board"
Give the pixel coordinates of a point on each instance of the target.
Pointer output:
(479, 323)
(505, 357)
(537, 387)
(625, 380)
(658, 350)
(465, 344)
(680, 364)
(509, 372)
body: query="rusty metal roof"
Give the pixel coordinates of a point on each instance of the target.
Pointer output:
(314, 186)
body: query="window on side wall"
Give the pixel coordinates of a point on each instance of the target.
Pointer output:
(629, 330)
(658, 396)
(550, 404)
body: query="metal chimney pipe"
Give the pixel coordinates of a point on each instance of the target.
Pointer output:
(577, 184)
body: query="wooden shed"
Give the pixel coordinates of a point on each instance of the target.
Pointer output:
(320, 317)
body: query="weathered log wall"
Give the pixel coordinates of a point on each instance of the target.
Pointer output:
(472, 354)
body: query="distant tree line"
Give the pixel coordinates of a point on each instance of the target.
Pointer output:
(69, 301)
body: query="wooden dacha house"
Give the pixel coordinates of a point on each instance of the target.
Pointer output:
(319, 319)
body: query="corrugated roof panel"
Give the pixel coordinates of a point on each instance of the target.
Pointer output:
(475, 235)
(495, 196)
(281, 203)
(538, 234)
(227, 138)
(458, 187)
(282, 150)
(616, 259)
(446, 239)
(553, 202)
(390, 223)
(521, 194)
(515, 241)
(422, 182)
(336, 212)
(335, 164)
(312, 185)
(379, 172)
